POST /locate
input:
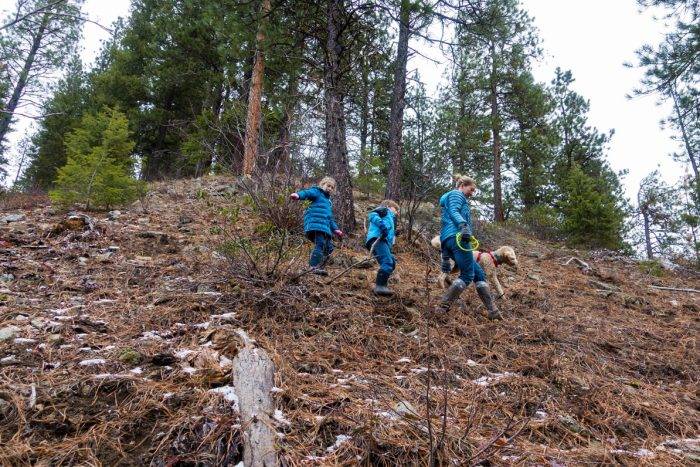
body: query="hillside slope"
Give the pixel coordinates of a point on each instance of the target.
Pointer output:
(116, 341)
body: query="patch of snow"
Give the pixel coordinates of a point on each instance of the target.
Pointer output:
(21, 318)
(403, 360)
(228, 394)
(472, 363)
(8, 359)
(150, 335)
(334, 370)
(275, 390)
(419, 370)
(81, 336)
(24, 340)
(640, 453)
(109, 347)
(494, 378)
(388, 415)
(225, 362)
(183, 353)
(63, 311)
(225, 316)
(339, 440)
(94, 361)
(136, 371)
(188, 369)
(66, 346)
(204, 325)
(167, 395)
(85, 349)
(103, 375)
(280, 418)
(540, 415)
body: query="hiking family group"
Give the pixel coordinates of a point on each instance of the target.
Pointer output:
(456, 238)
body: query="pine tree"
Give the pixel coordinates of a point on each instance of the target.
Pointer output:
(592, 216)
(32, 49)
(99, 169)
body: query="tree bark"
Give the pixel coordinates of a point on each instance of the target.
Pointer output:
(336, 145)
(496, 129)
(647, 236)
(8, 112)
(252, 130)
(398, 102)
(684, 132)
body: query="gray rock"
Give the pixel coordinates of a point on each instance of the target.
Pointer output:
(7, 278)
(12, 218)
(8, 332)
(38, 323)
(113, 215)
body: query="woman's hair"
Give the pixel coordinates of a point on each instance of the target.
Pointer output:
(390, 203)
(463, 180)
(330, 180)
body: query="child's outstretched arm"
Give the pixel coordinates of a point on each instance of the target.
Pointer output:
(304, 195)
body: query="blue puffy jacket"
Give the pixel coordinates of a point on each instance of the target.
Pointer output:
(454, 212)
(377, 217)
(318, 217)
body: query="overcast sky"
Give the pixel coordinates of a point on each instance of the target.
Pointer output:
(592, 38)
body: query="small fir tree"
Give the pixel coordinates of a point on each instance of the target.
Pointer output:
(592, 216)
(99, 169)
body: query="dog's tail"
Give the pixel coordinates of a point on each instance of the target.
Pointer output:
(435, 242)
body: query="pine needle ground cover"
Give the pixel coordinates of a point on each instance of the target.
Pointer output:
(118, 340)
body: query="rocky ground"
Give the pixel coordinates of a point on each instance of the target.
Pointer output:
(117, 333)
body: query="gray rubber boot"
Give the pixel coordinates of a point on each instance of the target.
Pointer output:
(383, 291)
(453, 293)
(482, 288)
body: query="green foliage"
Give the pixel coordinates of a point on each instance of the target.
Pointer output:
(543, 221)
(591, 215)
(99, 169)
(651, 267)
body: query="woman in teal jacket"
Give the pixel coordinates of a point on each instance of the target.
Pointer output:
(319, 223)
(456, 219)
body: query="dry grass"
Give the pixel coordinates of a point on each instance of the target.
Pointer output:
(572, 375)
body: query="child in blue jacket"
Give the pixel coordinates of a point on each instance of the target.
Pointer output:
(319, 223)
(381, 234)
(456, 219)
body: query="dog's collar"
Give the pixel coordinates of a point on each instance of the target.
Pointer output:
(490, 253)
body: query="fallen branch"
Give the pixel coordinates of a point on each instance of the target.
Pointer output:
(253, 380)
(674, 289)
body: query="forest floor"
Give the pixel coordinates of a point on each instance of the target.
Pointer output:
(117, 336)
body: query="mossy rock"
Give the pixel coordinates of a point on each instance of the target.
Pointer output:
(129, 356)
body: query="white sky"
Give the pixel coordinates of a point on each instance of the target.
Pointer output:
(592, 38)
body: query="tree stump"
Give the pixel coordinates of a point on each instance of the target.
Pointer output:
(253, 380)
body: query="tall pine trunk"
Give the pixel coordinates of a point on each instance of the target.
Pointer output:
(684, 133)
(647, 236)
(8, 112)
(252, 128)
(398, 102)
(336, 145)
(496, 130)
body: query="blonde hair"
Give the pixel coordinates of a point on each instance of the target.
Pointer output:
(390, 203)
(325, 180)
(463, 180)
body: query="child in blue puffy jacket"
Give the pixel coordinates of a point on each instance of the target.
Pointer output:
(319, 223)
(380, 239)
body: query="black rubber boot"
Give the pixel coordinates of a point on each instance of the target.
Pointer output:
(482, 288)
(453, 292)
(381, 287)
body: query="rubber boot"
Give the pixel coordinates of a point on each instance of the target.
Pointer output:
(453, 293)
(381, 287)
(482, 288)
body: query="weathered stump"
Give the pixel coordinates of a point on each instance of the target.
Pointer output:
(253, 380)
